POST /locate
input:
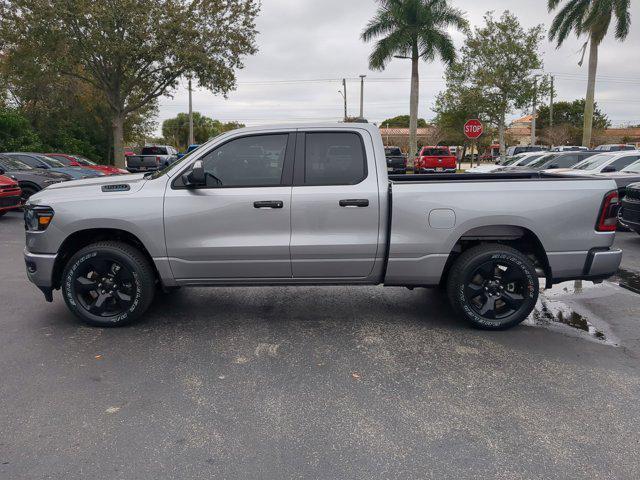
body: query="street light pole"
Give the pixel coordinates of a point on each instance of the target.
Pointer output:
(534, 111)
(344, 94)
(191, 138)
(362, 96)
(552, 93)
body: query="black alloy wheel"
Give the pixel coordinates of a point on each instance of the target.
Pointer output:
(108, 284)
(493, 286)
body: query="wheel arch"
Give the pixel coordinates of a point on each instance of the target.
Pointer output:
(516, 236)
(82, 238)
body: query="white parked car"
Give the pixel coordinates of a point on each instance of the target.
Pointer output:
(519, 160)
(602, 163)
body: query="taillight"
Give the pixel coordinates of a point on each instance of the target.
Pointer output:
(608, 217)
(158, 160)
(405, 161)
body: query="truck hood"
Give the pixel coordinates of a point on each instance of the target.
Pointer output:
(89, 188)
(134, 180)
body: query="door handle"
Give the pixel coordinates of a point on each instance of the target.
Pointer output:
(354, 202)
(269, 204)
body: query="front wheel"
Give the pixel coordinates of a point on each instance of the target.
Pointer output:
(493, 287)
(108, 284)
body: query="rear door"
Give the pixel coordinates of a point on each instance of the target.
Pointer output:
(623, 162)
(238, 226)
(335, 205)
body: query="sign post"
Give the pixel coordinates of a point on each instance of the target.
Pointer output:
(472, 130)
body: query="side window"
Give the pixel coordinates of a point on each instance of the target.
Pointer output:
(247, 162)
(620, 163)
(566, 161)
(334, 159)
(32, 162)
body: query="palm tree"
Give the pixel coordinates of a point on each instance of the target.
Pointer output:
(591, 18)
(413, 29)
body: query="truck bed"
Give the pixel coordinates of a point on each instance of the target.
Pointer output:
(431, 213)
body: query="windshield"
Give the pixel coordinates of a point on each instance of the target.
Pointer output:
(52, 162)
(154, 151)
(10, 164)
(84, 161)
(434, 152)
(633, 168)
(529, 159)
(539, 162)
(594, 162)
(64, 160)
(510, 160)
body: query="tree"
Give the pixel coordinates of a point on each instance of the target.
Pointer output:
(176, 130)
(16, 132)
(132, 51)
(401, 121)
(497, 70)
(591, 18)
(571, 113)
(67, 114)
(413, 29)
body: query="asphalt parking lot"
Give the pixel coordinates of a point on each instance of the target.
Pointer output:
(332, 382)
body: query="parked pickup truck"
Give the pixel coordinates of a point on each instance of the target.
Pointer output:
(151, 158)
(313, 205)
(396, 160)
(435, 160)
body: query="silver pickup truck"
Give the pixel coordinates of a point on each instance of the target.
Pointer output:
(313, 205)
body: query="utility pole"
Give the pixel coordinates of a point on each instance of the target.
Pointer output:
(551, 102)
(191, 139)
(344, 94)
(534, 111)
(362, 96)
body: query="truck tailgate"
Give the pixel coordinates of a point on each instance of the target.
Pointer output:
(142, 162)
(429, 216)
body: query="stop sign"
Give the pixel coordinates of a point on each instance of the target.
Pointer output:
(473, 128)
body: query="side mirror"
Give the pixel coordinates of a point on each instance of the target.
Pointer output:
(553, 165)
(42, 167)
(608, 169)
(196, 177)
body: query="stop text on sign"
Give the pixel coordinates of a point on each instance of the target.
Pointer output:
(473, 128)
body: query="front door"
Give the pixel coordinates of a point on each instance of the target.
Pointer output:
(239, 225)
(335, 206)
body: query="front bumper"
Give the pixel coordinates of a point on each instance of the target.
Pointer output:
(40, 270)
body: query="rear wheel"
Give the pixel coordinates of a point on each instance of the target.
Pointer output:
(108, 284)
(493, 287)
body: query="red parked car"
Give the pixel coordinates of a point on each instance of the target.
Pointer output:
(10, 195)
(435, 160)
(78, 161)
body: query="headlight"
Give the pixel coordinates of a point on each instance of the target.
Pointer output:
(37, 219)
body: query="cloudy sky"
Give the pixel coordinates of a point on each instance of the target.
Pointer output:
(307, 46)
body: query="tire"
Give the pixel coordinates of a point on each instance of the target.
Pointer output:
(3, 212)
(27, 191)
(494, 287)
(108, 284)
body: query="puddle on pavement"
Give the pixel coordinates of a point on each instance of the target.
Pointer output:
(628, 280)
(551, 311)
(547, 313)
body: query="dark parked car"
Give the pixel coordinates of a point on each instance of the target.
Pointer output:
(396, 160)
(630, 212)
(151, 158)
(42, 162)
(189, 149)
(31, 180)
